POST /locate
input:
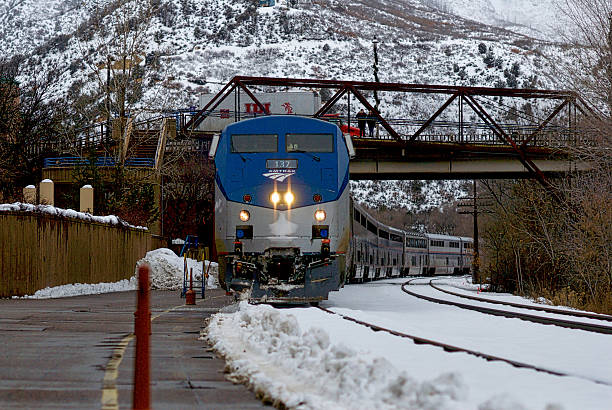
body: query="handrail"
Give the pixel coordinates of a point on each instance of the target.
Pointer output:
(61, 162)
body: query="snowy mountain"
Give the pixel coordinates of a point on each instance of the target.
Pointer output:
(179, 49)
(191, 46)
(536, 18)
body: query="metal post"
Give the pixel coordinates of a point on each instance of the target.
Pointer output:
(461, 118)
(238, 99)
(476, 263)
(108, 103)
(236, 105)
(377, 80)
(141, 398)
(348, 97)
(190, 295)
(204, 277)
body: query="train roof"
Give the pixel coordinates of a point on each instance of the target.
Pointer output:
(415, 234)
(442, 237)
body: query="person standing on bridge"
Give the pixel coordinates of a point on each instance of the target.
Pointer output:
(361, 122)
(371, 122)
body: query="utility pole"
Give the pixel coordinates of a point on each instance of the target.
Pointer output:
(108, 102)
(476, 263)
(375, 67)
(609, 65)
(478, 206)
(377, 80)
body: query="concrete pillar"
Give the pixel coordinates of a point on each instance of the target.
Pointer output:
(46, 192)
(87, 199)
(29, 194)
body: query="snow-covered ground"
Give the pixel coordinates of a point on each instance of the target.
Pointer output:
(166, 274)
(307, 358)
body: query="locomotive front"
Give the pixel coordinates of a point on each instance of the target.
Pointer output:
(282, 208)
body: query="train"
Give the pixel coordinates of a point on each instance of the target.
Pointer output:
(381, 251)
(286, 227)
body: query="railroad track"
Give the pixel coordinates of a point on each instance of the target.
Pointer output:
(590, 327)
(451, 348)
(586, 315)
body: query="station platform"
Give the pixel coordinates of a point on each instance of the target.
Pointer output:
(78, 352)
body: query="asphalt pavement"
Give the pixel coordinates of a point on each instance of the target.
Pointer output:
(79, 352)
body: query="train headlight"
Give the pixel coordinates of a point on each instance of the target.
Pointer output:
(289, 198)
(245, 215)
(275, 198)
(320, 215)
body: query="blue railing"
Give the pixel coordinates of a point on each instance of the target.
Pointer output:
(100, 162)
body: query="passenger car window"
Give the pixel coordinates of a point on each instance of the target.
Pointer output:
(250, 143)
(310, 143)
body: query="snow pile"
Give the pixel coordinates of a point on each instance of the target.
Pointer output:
(81, 289)
(166, 274)
(167, 270)
(266, 348)
(463, 282)
(67, 213)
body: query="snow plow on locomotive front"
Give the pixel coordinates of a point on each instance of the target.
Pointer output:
(281, 208)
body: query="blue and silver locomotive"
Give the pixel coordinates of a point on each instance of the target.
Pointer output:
(282, 227)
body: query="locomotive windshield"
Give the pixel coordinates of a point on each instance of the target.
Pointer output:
(250, 143)
(310, 143)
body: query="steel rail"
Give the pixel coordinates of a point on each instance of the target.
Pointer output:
(523, 316)
(587, 315)
(453, 349)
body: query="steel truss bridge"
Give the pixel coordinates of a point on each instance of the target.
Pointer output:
(472, 132)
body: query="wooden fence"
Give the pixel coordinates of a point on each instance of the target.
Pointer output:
(40, 250)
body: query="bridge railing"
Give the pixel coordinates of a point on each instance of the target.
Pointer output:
(59, 162)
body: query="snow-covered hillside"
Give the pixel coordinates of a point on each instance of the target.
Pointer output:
(190, 46)
(537, 18)
(185, 48)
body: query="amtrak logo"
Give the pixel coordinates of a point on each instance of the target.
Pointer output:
(280, 175)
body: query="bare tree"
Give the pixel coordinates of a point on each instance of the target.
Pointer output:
(188, 196)
(30, 122)
(589, 36)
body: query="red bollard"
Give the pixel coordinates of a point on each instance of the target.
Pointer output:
(190, 298)
(141, 398)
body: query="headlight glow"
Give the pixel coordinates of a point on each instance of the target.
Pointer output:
(275, 198)
(289, 198)
(245, 215)
(320, 215)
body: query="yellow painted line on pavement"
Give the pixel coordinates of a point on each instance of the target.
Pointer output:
(110, 396)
